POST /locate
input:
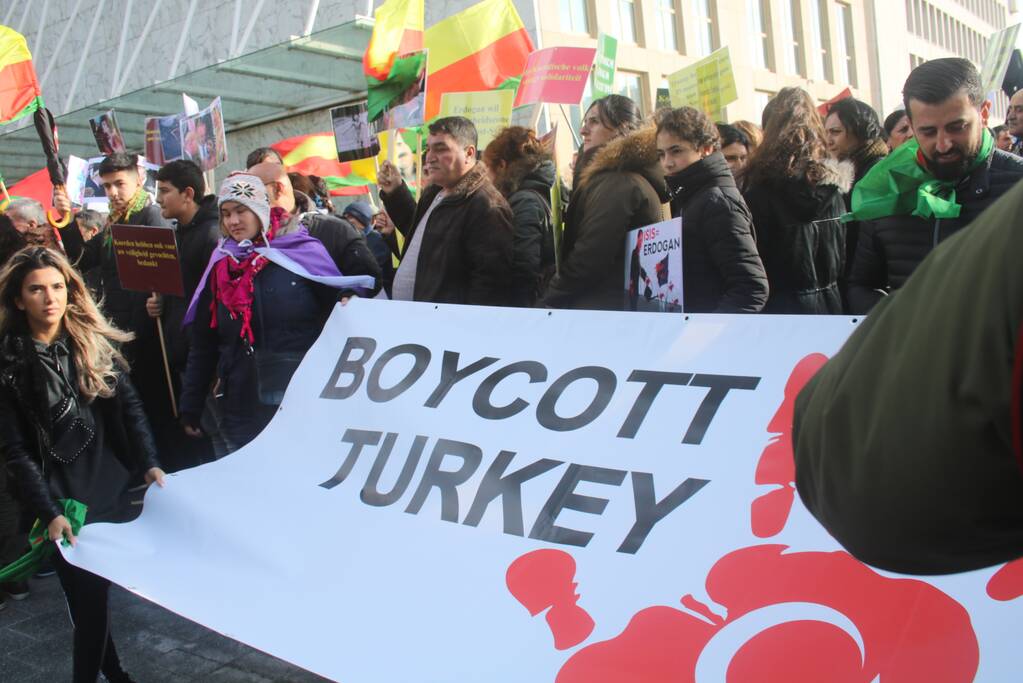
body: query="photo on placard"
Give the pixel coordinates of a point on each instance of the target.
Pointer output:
(653, 268)
(353, 136)
(202, 137)
(407, 110)
(154, 145)
(170, 137)
(108, 135)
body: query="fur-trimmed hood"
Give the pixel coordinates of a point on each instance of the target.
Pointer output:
(806, 201)
(841, 174)
(632, 153)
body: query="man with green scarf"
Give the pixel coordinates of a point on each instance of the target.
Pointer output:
(932, 186)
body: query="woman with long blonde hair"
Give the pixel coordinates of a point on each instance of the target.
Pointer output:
(71, 426)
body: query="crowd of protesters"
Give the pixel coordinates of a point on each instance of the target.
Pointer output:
(783, 218)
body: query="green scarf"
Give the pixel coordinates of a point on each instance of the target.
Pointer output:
(899, 185)
(25, 566)
(139, 201)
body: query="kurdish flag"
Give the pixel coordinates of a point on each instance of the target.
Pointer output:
(483, 47)
(316, 154)
(398, 30)
(19, 87)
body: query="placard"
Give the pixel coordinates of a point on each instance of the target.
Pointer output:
(147, 259)
(489, 110)
(653, 268)
(604, 66)
(108, 135)
(555, 75)
(353, 135)
(707, 85)
(203, 138)
(996, 59)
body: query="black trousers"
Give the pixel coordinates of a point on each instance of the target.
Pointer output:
(94, 650)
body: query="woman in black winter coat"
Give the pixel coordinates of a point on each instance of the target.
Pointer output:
(721, 269)
(524, 174)
(254, 320)
(71, 426)
(794, 192)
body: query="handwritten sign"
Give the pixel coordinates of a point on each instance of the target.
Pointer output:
(604, 66)
(996, 60)
(707, 85)
(147, 259)
(490, 110)
(555, 75)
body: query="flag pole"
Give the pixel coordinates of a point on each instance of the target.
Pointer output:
(166, 367)
(419, 163)
(392, 144)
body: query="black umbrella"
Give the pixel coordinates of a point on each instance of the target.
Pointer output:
(46, 127)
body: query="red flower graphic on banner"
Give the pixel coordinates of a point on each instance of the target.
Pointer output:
(797, 617)
(542, 579)
(909, 630)
(777, 465)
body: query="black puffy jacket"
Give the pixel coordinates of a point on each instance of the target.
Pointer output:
(801, 239)
(721, 269)
(889, 249)
(529, 195)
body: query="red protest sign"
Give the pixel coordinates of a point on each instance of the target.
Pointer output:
(555, 75)
(825, 107)
(147, 259)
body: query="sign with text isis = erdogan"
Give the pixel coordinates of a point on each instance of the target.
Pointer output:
(478, 494)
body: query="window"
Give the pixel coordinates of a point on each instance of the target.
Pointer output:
(631, 85)
(759, 13)
(821, 41)
(793, 22)
(846, 44)
(624, 20)
(703, 10)
(575, 16)
(760, 100)
(910, 23)
(667, 20)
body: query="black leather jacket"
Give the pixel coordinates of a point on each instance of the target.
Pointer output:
(27, 434)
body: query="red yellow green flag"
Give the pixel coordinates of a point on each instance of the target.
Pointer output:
(316, 155)
(480, 48)
(398, 30)
(19, 87)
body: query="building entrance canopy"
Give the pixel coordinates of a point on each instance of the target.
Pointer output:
(302, 74)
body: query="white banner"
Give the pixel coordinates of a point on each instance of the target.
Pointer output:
(477, 494)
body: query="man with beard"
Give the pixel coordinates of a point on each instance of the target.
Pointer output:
(945, 177)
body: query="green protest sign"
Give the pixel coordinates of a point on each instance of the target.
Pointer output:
(490, 110)
(604, 66)
(707, 85)
(996, 60)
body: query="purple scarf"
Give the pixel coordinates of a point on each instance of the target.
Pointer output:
(299, 246)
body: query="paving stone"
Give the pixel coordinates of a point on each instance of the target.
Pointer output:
(230, 674)
(12, 641)
(186, 664)
(12, 669)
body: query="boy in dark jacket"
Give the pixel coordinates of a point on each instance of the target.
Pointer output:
(721, 269)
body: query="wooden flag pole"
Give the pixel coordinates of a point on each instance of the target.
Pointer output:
(166, 367)
(392, 144)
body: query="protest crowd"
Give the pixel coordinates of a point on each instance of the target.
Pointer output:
(794, 215)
